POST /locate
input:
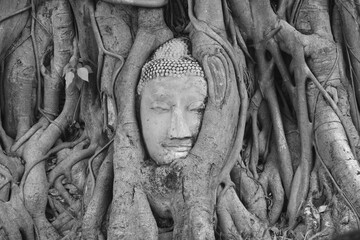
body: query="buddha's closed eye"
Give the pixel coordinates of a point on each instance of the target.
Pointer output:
(160, 107)
(197, 106)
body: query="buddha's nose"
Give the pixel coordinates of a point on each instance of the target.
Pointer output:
(179, 128)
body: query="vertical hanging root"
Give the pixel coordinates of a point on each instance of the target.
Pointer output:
(300, 182)
(301, 178)
(5, 182)
(64, 32)
(270, 180)
(36, 54)
(19, 81)
(300, 185)
(4, 138)
(90, 164)
(101, 199)
(253, 113)
(106, 78)
(267, 86)
(302, 73)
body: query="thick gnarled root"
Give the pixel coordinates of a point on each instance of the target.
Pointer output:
(235, 220)
(15, 220)
(250, 192)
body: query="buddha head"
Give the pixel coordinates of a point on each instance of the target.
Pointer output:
(173, 93)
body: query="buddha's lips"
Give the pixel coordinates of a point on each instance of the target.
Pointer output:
(178, 145)
(178, 148)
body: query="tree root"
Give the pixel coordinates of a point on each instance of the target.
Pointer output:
(341, 192)
(14, 219)
(51, 152)
(6, 141)
(270, 180)
(15, 13)
(64, 145)
(10, 224)
(99, 41)
(19, 79)
(327, 227)
(11, 28)
(110, 62)
(14, 166)
(41, 125)
(254, 109)
(68, 214)
(317, 211)
(61, 221)
(250, 192)
(234, 219)
(5, 182)
(299, 187)
(140, 3)
(36, 148)
(36, 53)
(100, 201)
(107, 90)
(64, 167)
(75, 205)
(267, 87)
(90, 165)
(231, 62)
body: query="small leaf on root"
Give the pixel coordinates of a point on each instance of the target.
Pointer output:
(322, 208)
(69, 78)
(83, 73)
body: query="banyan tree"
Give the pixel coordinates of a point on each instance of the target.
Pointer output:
(179, 119)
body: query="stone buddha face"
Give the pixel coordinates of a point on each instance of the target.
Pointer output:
(171, 111)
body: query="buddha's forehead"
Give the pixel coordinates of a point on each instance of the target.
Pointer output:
(167, 87)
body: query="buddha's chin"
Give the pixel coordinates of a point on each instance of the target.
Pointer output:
(177, 155)
(172, 155)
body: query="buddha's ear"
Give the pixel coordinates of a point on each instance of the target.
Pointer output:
(217, 77)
